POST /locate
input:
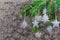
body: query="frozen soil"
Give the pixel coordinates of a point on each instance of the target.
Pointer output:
(10, 21)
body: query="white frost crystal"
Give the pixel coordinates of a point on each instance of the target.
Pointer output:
(38, 18)
(38, 34)
(55, 23)
(49, 28)
(44, 10)
(24, 24)
(59, 8)
(35, 23)
(45, 18)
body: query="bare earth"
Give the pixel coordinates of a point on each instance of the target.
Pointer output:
(10, 20)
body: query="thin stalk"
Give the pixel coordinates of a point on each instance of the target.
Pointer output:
(25, 13)
(55, 9)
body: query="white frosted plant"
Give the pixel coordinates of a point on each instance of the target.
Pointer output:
(38, 18)
(35, 23)
(44, 10)
(38, 34)
(49, 28)
(55, 23)
(24, 24)
(45, 18)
